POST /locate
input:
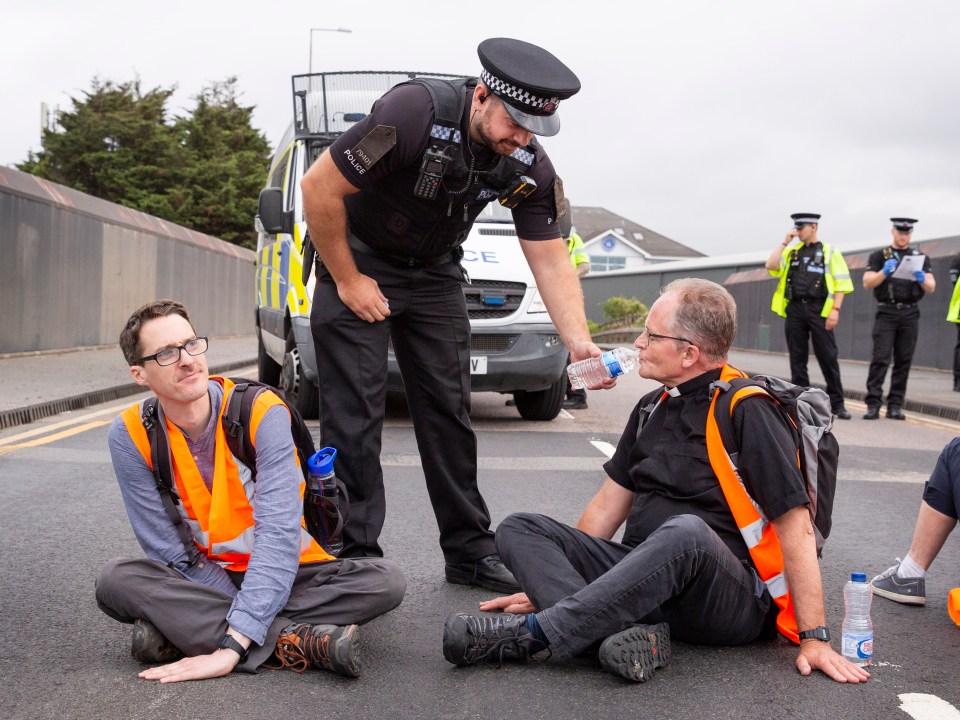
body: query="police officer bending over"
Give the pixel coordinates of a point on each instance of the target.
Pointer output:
(897, 322)
(813, 280)
(388, 206)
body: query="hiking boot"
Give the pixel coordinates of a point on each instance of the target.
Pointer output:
(908, 591)
(327, 647)
(636, 652)
(873, 413)
(895, 413)
(470, 639)
(488, 572)
(150, 646)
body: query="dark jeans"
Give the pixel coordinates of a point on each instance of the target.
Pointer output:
(588, 588)
(430, 330)
(192, 615)
(804, 324)
(895, 332)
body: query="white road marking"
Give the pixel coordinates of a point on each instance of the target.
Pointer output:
(604, 447)
(912, 478)
(921, 706)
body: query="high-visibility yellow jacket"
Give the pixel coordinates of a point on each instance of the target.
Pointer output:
(836, 276)
(953, 311)
(220, 519)
(577, 257)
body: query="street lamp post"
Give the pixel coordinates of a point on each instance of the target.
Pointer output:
(312, 31)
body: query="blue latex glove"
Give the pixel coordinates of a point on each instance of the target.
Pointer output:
(921, 276)
(889, 266)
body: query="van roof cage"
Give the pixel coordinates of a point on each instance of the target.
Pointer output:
(328, 104)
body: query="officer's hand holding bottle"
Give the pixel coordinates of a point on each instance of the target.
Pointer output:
(920, 276)
(889, 266)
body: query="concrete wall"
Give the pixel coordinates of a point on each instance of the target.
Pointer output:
(74, 267)
(761, 329)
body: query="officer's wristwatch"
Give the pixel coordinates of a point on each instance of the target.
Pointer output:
(821, 633)
(229, 642)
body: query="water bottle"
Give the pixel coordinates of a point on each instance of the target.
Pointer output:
(857, 630)
(597, 369)
(325, 501)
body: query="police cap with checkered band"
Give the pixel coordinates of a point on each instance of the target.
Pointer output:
(530, 81)
(904, 224)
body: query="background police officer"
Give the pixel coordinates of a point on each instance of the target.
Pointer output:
(387, 207)
(813, 281)
(953, 315)
(897, 322)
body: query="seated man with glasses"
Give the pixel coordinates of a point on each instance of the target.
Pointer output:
(231, 580)
(682, 568)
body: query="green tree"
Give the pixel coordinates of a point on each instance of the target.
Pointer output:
(226, 163)
(115, 144)
(203, 170)
(620, 309)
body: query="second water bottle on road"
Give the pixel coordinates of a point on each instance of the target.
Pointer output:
(597, 369)
(857, 632)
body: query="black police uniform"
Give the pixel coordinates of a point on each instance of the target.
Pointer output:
(806, 292)
(895, 330)
(409, 245)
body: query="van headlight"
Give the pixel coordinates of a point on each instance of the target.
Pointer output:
(536, 303)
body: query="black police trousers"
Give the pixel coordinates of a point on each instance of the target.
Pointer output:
(804, 324)
(895, 332)
(430, 330)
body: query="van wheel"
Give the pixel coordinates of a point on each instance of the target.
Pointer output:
(298, 391)
(542, 404)
(268, 370)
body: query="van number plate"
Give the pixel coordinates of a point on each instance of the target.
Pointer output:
(478, 365)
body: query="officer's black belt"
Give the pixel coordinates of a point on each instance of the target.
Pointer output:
(900, 305)
(401, 261)
(809, 301)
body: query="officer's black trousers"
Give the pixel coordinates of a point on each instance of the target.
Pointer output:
(431, 338)
(895, 333)
(803, 325)
(956, 358)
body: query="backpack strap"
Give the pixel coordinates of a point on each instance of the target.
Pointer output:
(151, 415)
(236, 422)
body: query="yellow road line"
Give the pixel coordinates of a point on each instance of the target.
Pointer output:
(63, 423)
(56, 436)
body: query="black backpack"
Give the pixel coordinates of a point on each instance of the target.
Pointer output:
(324, 516)
(808, 409)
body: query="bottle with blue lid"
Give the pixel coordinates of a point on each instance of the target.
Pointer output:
(326, 502)
(595, 370)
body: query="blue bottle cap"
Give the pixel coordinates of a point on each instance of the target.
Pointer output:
(858, 577)
(321, 462)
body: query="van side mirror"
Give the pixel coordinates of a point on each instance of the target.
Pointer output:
(270, 210)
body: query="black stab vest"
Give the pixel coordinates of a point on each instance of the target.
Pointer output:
(388, 218)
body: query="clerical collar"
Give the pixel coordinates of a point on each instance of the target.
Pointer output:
(685, 388)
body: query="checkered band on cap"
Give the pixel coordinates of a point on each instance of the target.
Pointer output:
(518, 97)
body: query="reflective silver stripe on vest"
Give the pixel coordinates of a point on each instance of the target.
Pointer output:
(752, 533)
(242, 544)
(777, 585)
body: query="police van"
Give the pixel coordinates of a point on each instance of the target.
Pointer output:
(515, 349)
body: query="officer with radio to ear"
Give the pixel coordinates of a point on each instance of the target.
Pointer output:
(388, 206)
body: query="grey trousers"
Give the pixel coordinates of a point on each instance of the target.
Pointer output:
(192, 615)
(588, 588)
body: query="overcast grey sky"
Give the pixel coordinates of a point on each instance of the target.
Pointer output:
(707, 121)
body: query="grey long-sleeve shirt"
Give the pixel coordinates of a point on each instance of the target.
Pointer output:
(277, 514)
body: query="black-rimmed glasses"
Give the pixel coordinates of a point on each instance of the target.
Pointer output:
(657, 336)
(170, 355)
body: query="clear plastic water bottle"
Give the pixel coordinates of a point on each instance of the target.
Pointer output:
(597, 369)
(857, 630)
(325, 497)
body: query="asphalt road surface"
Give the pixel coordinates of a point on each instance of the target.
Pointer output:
(61, 519)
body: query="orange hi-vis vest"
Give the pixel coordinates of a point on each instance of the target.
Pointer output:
(757, 531)
(220, 519)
